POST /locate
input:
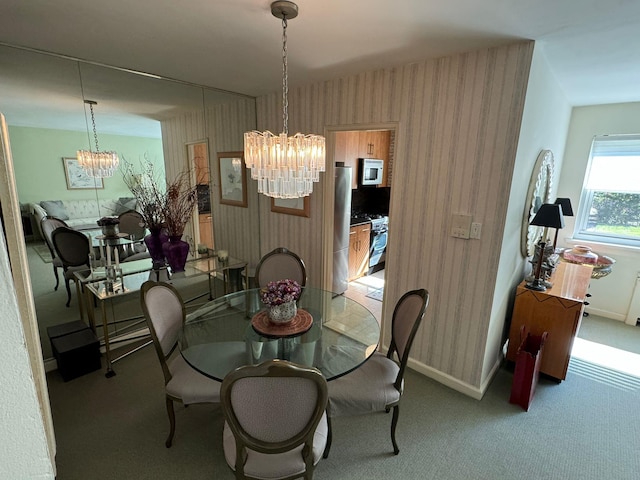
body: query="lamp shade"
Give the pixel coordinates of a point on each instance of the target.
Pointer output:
(565, 204)
(549, 215)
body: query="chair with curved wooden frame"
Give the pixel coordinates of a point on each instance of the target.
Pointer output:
(132, 222)
(164, 312)
(279, 264)
(276, 423)
(378, 384)
(73, 248)
(47, 226)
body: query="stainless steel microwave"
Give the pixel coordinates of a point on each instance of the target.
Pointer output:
(371, 170)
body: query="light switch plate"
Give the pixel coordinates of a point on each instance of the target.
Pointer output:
(460, 226)
(476, 230)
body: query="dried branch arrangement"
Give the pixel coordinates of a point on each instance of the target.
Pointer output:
(170, 207)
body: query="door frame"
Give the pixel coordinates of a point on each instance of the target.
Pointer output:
(329, 190)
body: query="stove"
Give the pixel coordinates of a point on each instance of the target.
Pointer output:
(379, 223)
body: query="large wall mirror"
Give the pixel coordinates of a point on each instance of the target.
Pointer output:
(140, 117)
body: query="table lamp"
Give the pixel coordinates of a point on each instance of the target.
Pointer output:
(548, 216)
(567, 211)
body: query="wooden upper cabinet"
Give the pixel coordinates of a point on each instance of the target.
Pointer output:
(375, 144)
(201, 163)
(350, 146)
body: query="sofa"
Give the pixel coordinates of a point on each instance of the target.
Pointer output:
(81, 214)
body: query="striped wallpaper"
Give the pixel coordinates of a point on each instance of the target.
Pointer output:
(458, 122)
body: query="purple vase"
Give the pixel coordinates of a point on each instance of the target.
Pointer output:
(176, 251)
(154, 242)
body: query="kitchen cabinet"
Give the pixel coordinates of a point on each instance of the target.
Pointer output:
(558, 311)
(206, 229)
(199, 156)
(352, 145)
(359, 243)
(374, 144)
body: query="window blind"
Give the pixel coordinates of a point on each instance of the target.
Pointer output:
(615, 164)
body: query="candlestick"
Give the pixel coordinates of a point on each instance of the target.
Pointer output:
(108, 254)
(117, 257)
(101, 251)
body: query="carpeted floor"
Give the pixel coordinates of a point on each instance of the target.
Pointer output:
(585, 428)
(43, 252)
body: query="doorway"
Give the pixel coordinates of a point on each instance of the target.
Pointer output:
(368, 210)
(198, 158)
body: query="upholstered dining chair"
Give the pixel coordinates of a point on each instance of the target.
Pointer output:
(132, 222)
(72, 248)
(48, 225)
(279, 264)
(377, 385)
(164, 312)
(275, 420)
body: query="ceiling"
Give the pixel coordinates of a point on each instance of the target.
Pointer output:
(592, 46)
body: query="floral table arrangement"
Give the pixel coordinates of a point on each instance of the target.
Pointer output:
(280, 298)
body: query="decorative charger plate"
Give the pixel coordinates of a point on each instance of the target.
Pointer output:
(300, 324)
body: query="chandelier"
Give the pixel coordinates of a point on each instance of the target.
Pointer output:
(97, 164)
(285, 166)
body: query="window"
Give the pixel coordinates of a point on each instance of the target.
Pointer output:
(610, 203)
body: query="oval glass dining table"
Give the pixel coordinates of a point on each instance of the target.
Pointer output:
(224, 334)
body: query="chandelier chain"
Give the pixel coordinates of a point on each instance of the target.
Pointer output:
(93, 122)
(285, 78)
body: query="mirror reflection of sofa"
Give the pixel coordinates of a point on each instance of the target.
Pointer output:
(81, 214)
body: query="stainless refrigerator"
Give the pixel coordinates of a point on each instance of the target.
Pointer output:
(341, 224)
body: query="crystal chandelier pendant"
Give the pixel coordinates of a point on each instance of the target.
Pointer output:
(284, 166)
(97, 164)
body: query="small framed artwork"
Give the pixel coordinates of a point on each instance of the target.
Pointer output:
(291, 206)
(77, 177)
(233, 179)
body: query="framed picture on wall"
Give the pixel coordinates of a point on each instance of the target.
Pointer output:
(291, 206)
(233, 179)
(77, 177)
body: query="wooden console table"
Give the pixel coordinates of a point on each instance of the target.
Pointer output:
(557, 311)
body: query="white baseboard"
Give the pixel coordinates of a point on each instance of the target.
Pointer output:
(606, 314)
(452, 382)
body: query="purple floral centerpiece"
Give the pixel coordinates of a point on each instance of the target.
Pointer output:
(280, 298)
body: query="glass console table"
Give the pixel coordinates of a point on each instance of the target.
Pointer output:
(134, 274)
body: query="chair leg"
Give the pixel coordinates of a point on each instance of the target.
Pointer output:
(66, 283)
(172, 422)
(325, 454)
(394, 423)
(55, 273)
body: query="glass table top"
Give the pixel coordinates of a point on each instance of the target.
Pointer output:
(219, 337)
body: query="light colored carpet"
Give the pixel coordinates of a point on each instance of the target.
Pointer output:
(584, 428)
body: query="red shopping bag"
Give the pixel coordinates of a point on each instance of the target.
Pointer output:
(527, 370)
